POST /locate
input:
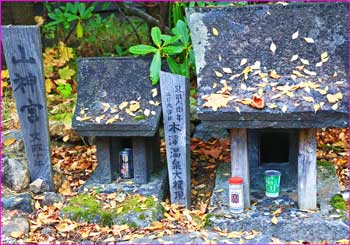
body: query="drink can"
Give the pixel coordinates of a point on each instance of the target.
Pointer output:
(126, 164)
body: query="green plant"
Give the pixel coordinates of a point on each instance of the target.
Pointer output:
(69, 14)
(176, 48)
(65, 89)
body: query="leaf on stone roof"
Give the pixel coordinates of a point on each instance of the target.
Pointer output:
(243, 61)
(218, 74)
(322, 91)
(84, 118)
(215, 31)
(154, 92)
(227, 70)
(294, 57)
(308, 99)
(238, 110)
(304, 61)
(335, 106)
(153, 113)
(246, 72)
(129, 112)
(310, 73)
(317, 107)
(114, 109)
(295, 35)
(256, 65)
(318, 64)
(243, 86)
(273, 47)
(298, 74)
(271, 105)
(333, 98)
(100, 118)
(216, 101)
(111, 120)
(134, 106)
(146, 112)
(274, 220)
(123, 105)
(214, 85)
(106, 106)
(273, 74)
(324, 57)
(284, 108)
(309, 40)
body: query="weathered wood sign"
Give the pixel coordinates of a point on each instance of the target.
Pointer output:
(22, 49)
(175, 105)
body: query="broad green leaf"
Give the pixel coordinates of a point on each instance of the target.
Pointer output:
(169, 39)
(79, 29)
(155, 34)
(174, 67)
(142, 49)
(173, 49)
(182, 30)
(155, 68)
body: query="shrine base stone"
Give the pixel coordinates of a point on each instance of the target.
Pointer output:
(157, 185)
(293, 224)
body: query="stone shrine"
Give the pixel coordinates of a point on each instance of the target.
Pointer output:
(120, 107)
(273, 72)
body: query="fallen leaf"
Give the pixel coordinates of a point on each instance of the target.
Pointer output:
(64, 227)
(106, 106)
(317, 107)
(308, 99)
(100, 118)
(274, 220)
(218, 74)
(154, 92)
(243, 86)
(227, 70)
(304, 61)
(16, 234)
(335, 106)
(284, 108)
(295, 35)
(215, 31)
(273, 74)
(294, 57)
(111, 120)
(238, 110)
(134, 106)
(243, 61)
(273, 47)
(146, 112)
(9, 141)
(309, 40)
(271, 105)
(310, 73)
(277, 211)
(256, 65)
(123, 105)
(318, 64)
(216, 101)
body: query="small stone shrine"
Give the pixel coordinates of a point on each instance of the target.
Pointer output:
(272, 74)
(120, 107)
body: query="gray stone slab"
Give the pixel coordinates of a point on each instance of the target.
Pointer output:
(113, 81)
(248, 32)
(157, 185)
(175, 104)
(22, 50)
(21, 201)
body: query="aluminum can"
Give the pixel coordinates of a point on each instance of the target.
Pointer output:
(125, 164)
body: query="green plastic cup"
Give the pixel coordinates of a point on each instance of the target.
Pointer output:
(272, 183)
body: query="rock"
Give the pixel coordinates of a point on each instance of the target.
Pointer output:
(18, 201)
(15, 224)
(18, 144)
(15, 173)
(205, 133)
(136, 212)
(52, 197)
(38, 186)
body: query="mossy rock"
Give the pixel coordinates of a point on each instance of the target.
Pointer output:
(136, 212)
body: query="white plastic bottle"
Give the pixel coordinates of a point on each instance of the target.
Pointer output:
(236, 194)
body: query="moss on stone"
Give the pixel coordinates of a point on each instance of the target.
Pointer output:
(338, 202)
(327, 165)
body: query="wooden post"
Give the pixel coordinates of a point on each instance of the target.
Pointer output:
(307, 169)
(239, 160)
(22, 49)
(176, 117)
(141, 170)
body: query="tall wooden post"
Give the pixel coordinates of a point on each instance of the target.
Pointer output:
(307, 169)
(239, 160)
(22, 49)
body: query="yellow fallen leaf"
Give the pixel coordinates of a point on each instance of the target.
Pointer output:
(318, 64)
(277, 211)
(100, 118)
(284, 108)
(304, 61)
(295, 35)
(218, 74)
(243, 61)
(317, 107)
(309, 40)
(308, 99)
(249, 237)
(111, 120)
(16, 234)
(274, 220)
(134, 106)
(154, 92)
(256, 65)
(227, 70)
(332, 98)
(39, 20)
(310, 73)
(234, 234)
(64, 227)
(119, 210)
(9, 141)
(215, 31)
(5, 74)
(271, 105)
(66, 138)
(294, 57)
(273, 47)
(216, 101)
(335, 106)
(123, 105)
(106, 106)
(114, 109)
(273, 74)
(49, 85)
